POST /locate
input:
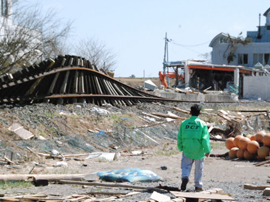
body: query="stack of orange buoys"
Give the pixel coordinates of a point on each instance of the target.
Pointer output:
(255, 147)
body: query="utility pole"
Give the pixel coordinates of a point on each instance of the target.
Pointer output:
(166, 57)
(165, 53)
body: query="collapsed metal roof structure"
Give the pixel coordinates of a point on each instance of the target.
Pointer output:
(68, 79)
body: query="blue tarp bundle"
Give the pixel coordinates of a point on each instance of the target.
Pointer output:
(129, 175)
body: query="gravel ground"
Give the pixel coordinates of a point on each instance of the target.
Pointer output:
(66, 129)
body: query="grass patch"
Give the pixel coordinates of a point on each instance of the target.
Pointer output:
(218, 145)
(17, 184)
(168, 152)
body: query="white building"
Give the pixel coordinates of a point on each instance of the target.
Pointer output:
(245, 55)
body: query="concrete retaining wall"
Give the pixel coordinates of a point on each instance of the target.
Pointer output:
(256, 87)
(220, 97)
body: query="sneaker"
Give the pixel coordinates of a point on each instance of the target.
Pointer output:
(198, 189)
(184, 183)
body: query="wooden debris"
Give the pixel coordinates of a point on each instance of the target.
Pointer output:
(252, 110)
(49, 177)
(33, 152)
(179, 200)
(199, 195)
(112, 185)
(151, 115)
(8, 160)
(20, 131)
(168, 116)
(256, 187)
(210, 129)
(27, 198)
(159, 197)
(93, 131)
(213, 191)
(262, 163)
(181, 110)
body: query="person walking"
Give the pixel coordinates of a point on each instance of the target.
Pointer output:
(194, 142)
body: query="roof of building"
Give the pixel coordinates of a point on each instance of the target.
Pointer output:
(217, 37)
(265, 13)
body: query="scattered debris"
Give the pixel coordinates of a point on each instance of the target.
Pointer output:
(209, 194)
(20, 131)
(160, 197)
(266, 192)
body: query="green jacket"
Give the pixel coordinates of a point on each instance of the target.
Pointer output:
(193, 138)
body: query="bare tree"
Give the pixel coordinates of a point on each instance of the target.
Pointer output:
(29, 35)
(97, 53)
(233, 44)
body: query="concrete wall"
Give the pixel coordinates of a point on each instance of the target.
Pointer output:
(255, 87)
(218, 97)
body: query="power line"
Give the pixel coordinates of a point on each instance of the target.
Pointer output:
(173, 42)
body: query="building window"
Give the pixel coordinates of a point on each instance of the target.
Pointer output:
(223, 39)
(242, 59)
(257, 58)
(4, 8)
(266, 58)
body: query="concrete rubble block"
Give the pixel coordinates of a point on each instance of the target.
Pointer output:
(150, 85)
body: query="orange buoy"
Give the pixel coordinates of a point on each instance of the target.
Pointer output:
(229, 143)
(249, 156)
(242, 143)
(263, 152)
(236, 140)
(253, 146)
(252, 137)
(240, 154)
(233, 151)
(259, 136)
(266, 139)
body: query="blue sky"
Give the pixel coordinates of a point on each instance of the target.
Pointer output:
(135, 29)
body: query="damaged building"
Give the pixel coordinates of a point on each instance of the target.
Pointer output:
(239, 65)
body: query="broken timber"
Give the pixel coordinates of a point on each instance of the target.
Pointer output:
(198, 195)
(256, 187)
(112, 185)
(49, 177)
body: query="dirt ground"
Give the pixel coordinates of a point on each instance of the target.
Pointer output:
(229, 175)
(57, 124)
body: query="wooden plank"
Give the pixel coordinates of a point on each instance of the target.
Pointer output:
(50, 91)
(151, 115)
(32, 151)
(63, 88)
(256, 187)
(262, 163)
(112, 185)
(75, 82)
(198, 195)
(49, 177)
(181, 110)
(168, 116)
